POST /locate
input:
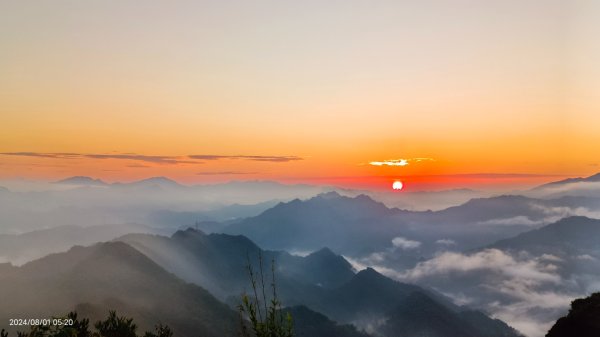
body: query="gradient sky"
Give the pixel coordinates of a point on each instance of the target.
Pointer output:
(300, 91)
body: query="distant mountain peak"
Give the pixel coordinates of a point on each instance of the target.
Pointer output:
(575, 220)
(188, 232)
(589, 179)
(81, 180)
(158, 180)
(369, 273)
(329, 195)
(323, 252)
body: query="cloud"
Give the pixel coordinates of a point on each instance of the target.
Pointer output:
(523, 290)
(276, 159)
(446, 242)
(119, 156)
(390, 162)
(517, 220)
(398, 162)
(551, 258)
(585, 257)
(143, 158)
(558, 212)
(42, 155)
(155, 159)
(519, 317)
(359, 265)
(216, 173)
(489, 260)
(405, 244)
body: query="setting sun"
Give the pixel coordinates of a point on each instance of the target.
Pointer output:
(397, 185)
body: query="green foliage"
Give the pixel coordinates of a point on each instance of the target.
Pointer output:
(115, 326)
(160, 331)
(581, 321)
(265, 316)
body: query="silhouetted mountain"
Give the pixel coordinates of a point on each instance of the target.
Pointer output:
(419, 315)
(590, 179)
(218, 261)
(112, 276)
(20, 248)
(367, 294)
(210, 221)
(360, 225)
(370, 299)
(483, 209)
(486, 326)
(152, 182)
(572, 235)
(82, 181)
(581, 186)
(328, 220)
(581, 321)
(322, 281)
(323, 268)
(308, 323)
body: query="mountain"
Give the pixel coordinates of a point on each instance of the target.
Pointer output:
(581, 321)
(533, 275)
(213, 220)
(109, 276)
(483, 209)
(569, 236)
(115, 276)
(329, 219)
(218, 262)
(367, 294)
(590, 179)
(419, 315)
(390, 308)
(322, 281)
(20, 248)
(323, 268)
(579, 186)
(309, 323)
(82, 181)
(360, 226)
(152, 183)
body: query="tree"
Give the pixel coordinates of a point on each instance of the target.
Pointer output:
(115, 326)
(581, 321)
(160, 331)
(266, 317)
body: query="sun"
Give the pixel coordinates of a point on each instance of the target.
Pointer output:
(397, 185)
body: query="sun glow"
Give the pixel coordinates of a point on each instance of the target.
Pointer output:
(397, 185)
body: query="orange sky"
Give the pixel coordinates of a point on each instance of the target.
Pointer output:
(506, 87)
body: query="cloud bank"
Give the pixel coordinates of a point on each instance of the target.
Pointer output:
(405, 244)
(398, 162)
(163, 159)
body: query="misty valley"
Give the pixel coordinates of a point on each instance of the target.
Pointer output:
(343, 262)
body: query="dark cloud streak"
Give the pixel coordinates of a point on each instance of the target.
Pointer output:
(129, 156)
(276, 159)
(216, 173)
(163, 160)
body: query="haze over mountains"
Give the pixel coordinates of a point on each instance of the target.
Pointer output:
(118, 276)
(343, 259)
